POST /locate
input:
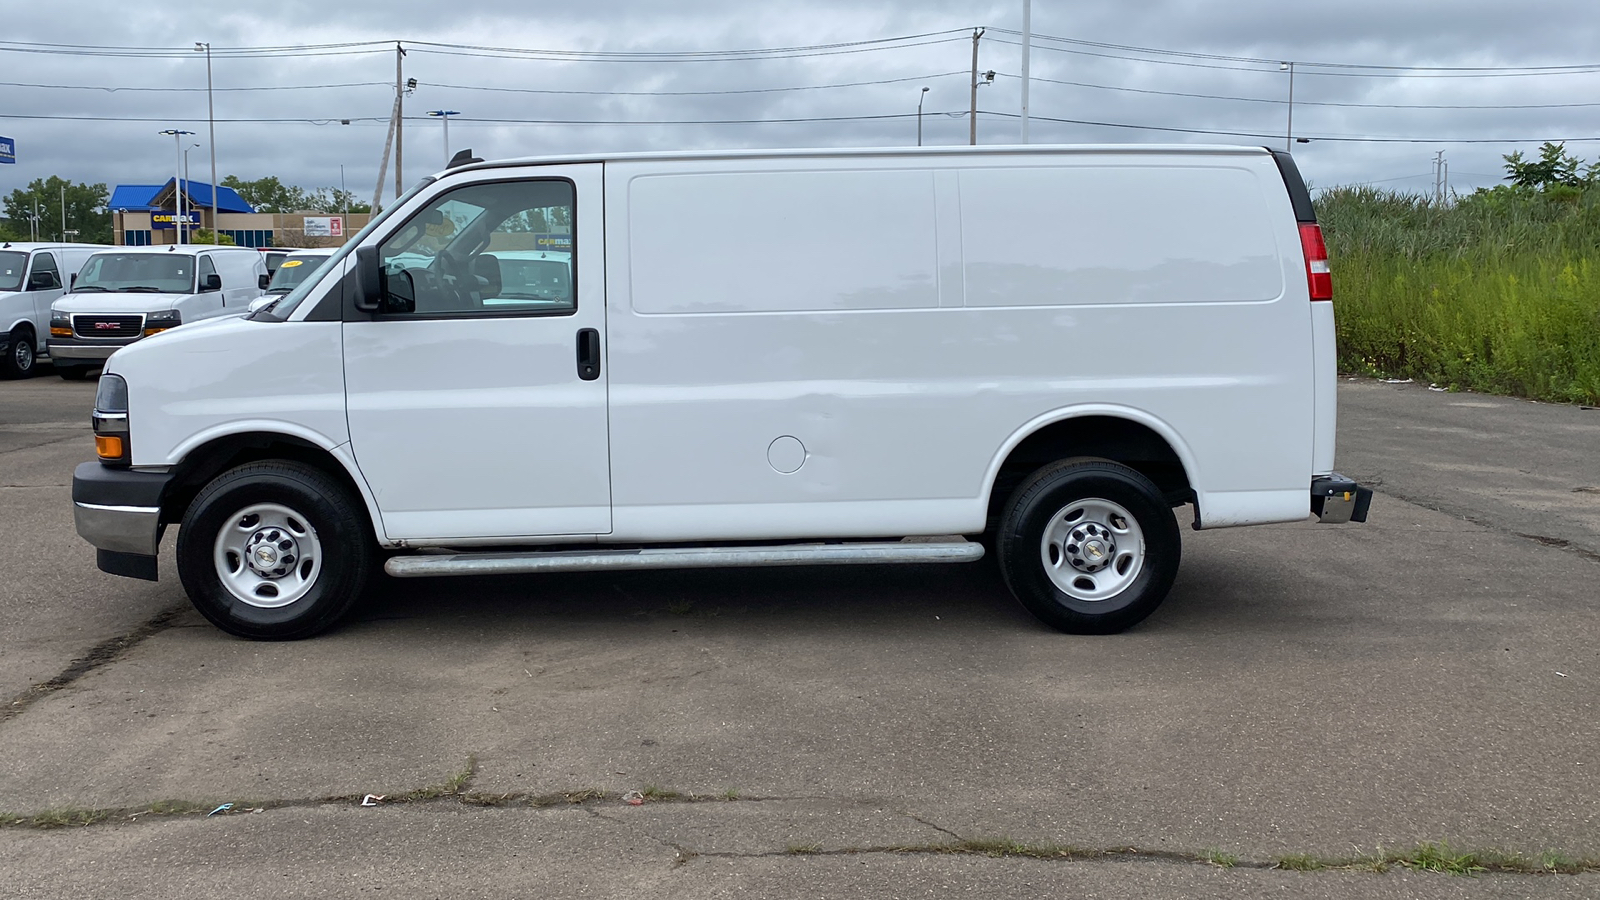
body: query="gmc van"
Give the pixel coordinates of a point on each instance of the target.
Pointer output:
(759, 359)
(32, 276)
(129, 293)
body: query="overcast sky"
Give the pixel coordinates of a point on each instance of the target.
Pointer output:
(94, 140)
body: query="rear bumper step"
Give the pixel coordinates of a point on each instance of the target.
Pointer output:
(421, 566)
(1336, 499)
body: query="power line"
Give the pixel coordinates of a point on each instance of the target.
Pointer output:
(1280, 101)
(1586, 70)
(491, 88)
(542, 55)
(1278, 135)
(1578, 69)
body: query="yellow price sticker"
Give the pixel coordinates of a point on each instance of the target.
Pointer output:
(291, 263)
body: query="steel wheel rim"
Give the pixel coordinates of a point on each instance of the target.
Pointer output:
(24, 355)
(267, 555)
(1092, 549)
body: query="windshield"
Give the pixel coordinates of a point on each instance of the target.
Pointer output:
(12, 266)
(137, 273)
(291, 272)
(280, 311)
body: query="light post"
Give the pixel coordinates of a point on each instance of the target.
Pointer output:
(920, 97)
(186, 180)
(1288, 135)
(177, 176)
(211, 127)
(444, 115)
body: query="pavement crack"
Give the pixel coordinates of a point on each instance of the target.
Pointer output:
(939, 828)
(100, 655)
(1492, 525)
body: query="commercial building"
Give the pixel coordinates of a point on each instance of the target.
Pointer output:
(144, 214)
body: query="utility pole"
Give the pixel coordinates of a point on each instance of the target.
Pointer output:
(1288, 139)
(1441, 178)
(211, 127)
(972, 110)
(383, 165)
(1027, 47)
(63, 212)
(399, 119)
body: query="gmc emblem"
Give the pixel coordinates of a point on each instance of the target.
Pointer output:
(106, 326)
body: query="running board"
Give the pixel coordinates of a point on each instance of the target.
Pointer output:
(425, 565)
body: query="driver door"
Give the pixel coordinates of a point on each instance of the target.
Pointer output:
(480, 413)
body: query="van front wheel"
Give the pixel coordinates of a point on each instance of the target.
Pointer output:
(273, 551)
(1089, 546)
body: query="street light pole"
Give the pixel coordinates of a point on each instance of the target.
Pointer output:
(211, 127)
(1027, 47)
(186, 179)
(920, 98)
(444, 116)
(177, 176)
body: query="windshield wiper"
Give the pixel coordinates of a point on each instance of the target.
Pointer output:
(141, 289)
(87, 287)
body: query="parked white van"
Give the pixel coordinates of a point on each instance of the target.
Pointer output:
(130, 293)
(762, 358)
(32, 276)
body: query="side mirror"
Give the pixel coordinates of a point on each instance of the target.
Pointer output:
(261, 303)
(369, 280)
(212, 282)
(399, 293)
(262, 281)
(42, 281)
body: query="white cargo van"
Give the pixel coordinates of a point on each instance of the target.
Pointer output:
(759, 358)
(32, 276)
(129, 293)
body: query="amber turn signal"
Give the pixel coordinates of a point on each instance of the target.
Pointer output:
(108, 446)
(150, 331)
(60, 332)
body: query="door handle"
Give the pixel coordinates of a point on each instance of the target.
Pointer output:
(588, 354)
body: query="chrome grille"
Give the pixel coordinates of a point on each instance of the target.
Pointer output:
(107, 326)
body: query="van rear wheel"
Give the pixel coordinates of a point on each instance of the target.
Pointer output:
(1089, 546)
(274, 551)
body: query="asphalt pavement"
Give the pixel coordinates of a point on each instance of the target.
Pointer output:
(1309, 697)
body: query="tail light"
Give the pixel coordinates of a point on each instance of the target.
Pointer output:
(1319, 278)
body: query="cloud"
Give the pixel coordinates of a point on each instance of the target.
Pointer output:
(502, 108)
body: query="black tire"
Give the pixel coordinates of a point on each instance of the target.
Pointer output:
(19, 360)
(335, 543)
(72, 373)
(1098, 491)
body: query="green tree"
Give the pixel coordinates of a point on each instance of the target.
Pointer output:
(1554, 167)
(268, 195)
(85, 210)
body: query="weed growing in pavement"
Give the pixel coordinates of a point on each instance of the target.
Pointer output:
(658, 793)
(1219, 858)
(1300, 862)
(730, 794)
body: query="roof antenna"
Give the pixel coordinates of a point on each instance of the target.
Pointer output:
(462, 158)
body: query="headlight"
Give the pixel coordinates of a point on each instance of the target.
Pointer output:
(110, 420)
(161, 321)
(60, 324)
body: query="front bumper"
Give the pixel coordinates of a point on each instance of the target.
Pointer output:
(119, 512)
(1336, 499)
(98, 351)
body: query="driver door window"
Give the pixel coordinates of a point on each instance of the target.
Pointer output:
(45, 264)
(493, 249)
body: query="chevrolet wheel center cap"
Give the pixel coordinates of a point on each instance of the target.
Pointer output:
(267, 555)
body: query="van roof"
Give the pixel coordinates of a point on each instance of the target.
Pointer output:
(50, 245)
(175, 248)
(875, 152)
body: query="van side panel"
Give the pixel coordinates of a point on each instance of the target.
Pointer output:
(787, 379)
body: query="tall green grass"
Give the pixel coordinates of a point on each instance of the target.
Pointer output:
(1496, 292)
